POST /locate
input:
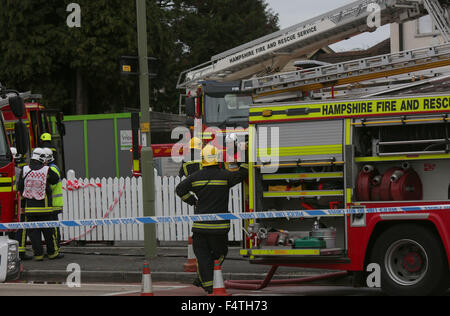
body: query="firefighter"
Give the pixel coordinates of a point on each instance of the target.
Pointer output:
(190, 164)
(46, 142)
(57, 193)
(34, 186)
(208, 190)
(20, 234)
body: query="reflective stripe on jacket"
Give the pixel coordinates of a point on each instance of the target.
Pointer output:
(57, 192)
(208, 189)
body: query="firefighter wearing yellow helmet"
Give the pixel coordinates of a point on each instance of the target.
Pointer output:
(46, 142)
(191, 162)
(208, 190)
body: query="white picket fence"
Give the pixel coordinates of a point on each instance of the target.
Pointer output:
(118, 198)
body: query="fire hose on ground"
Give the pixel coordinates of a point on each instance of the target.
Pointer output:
(261, 284)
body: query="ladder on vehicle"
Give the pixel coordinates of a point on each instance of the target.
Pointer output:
(301, 39)
(440, 17)
(287, 85)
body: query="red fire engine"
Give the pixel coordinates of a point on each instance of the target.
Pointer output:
(369, 134)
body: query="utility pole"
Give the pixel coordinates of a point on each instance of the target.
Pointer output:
(147, 164)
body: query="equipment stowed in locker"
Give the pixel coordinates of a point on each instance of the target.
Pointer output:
(398, 183)
(319, 237)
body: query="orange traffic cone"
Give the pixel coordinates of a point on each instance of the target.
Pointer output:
(147, 288)
(218, 285)
(191, 264)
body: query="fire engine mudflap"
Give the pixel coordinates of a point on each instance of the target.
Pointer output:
(390, 156)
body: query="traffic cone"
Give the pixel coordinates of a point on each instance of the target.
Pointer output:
(147, 288)
(191, 264)
(218, 285)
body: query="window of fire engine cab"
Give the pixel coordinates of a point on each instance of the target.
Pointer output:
(4, 151)
(44, 121)
(227, 109)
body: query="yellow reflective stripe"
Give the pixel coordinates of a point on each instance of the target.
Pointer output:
(199, 183)
(282, 252)
(135, 165)
(296, 176)
(4, 190)
(6, 180)
(209, 182)
(219, 182)
(211, 226)
(187, 196)
(349, 195)
(348, 131)
(251, 159)
(40, 209)
(355, 108)
(402, 157)
(207, 284)
(304, 193)
(302, 150)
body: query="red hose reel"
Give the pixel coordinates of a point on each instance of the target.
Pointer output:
(396, 184)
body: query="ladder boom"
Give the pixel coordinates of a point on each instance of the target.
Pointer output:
(270, 53)
(286, 85)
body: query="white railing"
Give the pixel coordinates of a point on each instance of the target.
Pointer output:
(118, 198)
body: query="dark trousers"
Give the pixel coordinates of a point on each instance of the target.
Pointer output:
(21, 235)
(208, 248)
(36, 235)
(57, 229)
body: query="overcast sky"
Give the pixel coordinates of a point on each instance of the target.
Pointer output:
(291, 12)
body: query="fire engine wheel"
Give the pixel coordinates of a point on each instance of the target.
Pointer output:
(412, 261)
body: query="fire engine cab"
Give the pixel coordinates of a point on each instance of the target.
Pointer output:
(9, 200)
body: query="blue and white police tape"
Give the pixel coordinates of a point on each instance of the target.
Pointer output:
(221, 217)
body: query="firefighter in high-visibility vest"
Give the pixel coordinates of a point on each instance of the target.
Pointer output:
(192, 163)
(34, 186)
(46, 142)
(57, 192)
(20, 234)
(208, 190)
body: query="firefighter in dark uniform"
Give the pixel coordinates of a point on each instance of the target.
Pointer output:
(34, 186)
(190, 164)
(208, 189)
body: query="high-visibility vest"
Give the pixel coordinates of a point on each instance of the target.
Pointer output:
(57, 192)
(35, 183)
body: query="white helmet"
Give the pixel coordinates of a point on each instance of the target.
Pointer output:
(15, 154)
(231, 138)
(39, 155)
(49, 154)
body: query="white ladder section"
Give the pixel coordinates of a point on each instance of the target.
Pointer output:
(342, 72)
(440, 17)
(301, 39)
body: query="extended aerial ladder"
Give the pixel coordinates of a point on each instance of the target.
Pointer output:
(292, 84)
(269, 54)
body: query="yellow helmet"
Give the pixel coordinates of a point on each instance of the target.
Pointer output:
(210, 156)
(195, 143)
(46, 137)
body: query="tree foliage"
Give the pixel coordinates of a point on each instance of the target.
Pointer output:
(39, 52)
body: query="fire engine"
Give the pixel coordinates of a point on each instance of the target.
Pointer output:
(317, 145)
(9, 201)
(38, 120)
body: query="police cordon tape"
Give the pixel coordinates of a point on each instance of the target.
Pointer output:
(110, 209)
(73, 185)
(221, 217)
